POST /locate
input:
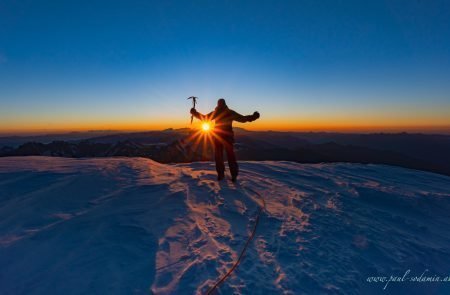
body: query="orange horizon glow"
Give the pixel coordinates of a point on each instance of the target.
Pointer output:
(280, 126)
(366, 120)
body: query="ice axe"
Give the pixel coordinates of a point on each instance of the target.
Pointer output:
(194, 101)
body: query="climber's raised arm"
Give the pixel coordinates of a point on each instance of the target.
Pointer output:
(200, 116)
(242, 119)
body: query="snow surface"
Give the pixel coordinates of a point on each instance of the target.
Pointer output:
(134, 226)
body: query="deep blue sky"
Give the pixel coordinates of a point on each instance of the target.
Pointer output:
(303, 64)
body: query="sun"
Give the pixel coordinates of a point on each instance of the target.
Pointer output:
(206, 126)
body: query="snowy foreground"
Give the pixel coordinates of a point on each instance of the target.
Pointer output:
(133, 226)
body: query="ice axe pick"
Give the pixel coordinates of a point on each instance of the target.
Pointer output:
(194, 101)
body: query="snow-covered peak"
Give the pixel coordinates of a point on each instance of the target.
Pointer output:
(134, 226)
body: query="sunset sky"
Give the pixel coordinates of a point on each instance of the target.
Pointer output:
(358, 66)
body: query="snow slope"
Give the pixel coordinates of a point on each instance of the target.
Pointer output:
(133, 226)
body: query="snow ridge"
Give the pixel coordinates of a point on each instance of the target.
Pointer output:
(130, 225)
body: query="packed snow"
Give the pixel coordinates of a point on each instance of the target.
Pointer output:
(134, 226)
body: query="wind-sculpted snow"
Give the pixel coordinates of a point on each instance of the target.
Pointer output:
(133, 226)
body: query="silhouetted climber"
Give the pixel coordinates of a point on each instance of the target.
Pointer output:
(224, 136)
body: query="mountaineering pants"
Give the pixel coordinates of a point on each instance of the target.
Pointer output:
(219, 146)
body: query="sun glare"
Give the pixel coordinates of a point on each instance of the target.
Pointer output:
(206, 126)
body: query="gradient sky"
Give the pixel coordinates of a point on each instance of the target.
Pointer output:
(305, 65)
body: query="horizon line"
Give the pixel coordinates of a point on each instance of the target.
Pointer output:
(428, 130)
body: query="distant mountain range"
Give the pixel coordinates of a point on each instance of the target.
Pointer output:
(15, 140)
(416, 151)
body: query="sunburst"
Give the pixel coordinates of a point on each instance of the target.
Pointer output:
(206, 126)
